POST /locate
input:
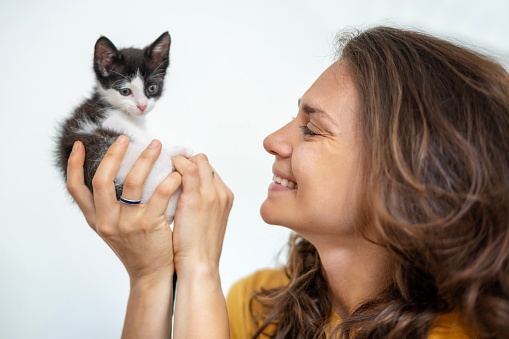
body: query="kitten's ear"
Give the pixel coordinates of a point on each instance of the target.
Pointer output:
(159, 51)
(105, 56)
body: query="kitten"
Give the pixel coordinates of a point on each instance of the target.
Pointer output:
(129, 82)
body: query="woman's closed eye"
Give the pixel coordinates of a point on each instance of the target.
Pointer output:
(307, 131)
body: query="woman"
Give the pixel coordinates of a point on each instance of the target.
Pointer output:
(394, 176)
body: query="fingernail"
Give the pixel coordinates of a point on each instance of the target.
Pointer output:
(75, 146)
(121, 139)
(154, 144)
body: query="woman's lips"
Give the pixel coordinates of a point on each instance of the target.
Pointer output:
(282, 184)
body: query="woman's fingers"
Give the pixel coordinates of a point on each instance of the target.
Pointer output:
(198, 176)
(196, 171)
(104, 189)
(211, 182)
(204, 168)
(227, 194)
(189, 172)
(76, 183)
(135, 179)
(159, 202)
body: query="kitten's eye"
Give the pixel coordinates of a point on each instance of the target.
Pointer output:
(152, 89)
(124, 91)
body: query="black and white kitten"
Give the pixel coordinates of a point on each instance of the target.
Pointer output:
(129, 82)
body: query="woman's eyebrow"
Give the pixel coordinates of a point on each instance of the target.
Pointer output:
(311, 109)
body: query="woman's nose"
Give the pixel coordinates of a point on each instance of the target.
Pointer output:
(278, 143)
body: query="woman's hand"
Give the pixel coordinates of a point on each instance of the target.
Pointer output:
(138, 234)
(201, 216)
(198, 232)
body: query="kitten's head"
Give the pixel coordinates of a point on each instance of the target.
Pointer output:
(131, 79)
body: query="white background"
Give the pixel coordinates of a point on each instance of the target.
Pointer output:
(237, 71)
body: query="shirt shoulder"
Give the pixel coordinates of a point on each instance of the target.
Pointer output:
(450, 326)
(239, 297)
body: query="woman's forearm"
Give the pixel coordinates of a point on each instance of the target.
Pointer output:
(198, 233)
(200, 308)
(149, 309)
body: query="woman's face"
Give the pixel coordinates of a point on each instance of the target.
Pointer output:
(318, 152)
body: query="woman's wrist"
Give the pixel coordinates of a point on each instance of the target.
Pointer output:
(197, 270)
(152, 278)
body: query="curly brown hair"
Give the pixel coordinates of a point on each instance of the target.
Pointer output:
(434, 123)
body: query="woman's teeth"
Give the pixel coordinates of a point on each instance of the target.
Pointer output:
(284, 182)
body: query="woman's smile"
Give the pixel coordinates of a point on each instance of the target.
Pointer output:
(282, 182)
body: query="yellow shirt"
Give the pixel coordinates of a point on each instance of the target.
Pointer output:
(242, 326)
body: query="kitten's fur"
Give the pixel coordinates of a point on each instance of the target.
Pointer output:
(129, 82)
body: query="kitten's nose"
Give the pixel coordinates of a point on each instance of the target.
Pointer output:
(142, 107)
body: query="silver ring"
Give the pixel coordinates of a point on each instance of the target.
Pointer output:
(130, 202)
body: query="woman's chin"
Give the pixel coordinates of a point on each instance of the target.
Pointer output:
(267, 213)
(272, 214)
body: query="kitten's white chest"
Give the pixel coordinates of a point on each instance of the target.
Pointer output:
(118, 121)
(139, 140)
